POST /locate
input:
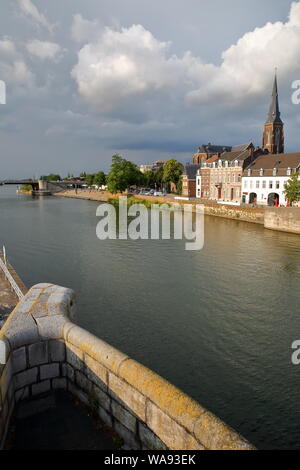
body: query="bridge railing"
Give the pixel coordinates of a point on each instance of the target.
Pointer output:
(10, 279)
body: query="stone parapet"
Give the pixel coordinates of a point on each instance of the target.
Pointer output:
(42, 350)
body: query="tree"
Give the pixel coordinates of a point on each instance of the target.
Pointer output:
(89, 180)
(172, 171)
(292, 189)
(149, 179)
(100, 178)
(122, 175)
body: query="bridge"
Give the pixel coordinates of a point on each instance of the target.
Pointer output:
(42, 186)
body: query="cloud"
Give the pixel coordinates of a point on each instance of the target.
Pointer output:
(130, 64)
(84, 30)
(246, 66)
(7, 46)
(13, 69)
(29, 9)
(122, 64)
(44, 49)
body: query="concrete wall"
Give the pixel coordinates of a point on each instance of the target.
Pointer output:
(284, 219)
(42, 350)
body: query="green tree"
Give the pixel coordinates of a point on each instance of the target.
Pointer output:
(51, 177)
(83, 174)
(292, 189)
(122, 175)
(100, 178)
(149, 178)
(89, 180)
(172, 171)
(159, 176)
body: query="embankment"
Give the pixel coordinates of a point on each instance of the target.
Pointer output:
(244, 213)
(42, 350)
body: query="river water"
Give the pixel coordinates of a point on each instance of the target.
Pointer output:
(218, 323)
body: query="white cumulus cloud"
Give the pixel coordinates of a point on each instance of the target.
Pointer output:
(117, 66)
(44, 49)
(246, 66)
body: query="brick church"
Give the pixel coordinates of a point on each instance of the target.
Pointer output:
(218, 172)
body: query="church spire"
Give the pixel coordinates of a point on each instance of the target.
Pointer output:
(274, 113)
(273, 136)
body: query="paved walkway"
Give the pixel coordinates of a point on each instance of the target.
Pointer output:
(56, 421)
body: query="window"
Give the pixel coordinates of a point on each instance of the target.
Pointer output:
(270, 184)
(274, 171)
(228, 178)
(289, 171)
(264, 184)
(239, 178)
(249, 172)
(277, 184)
(261, 172)
(251, 184)
(246, 184)
(257, 184)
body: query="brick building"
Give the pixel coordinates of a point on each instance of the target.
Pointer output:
(189, 180)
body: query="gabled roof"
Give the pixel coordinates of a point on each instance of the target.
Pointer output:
(211, 149)
(190, 170)
(280, 160)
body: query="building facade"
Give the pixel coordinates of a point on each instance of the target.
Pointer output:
(264, 181)
(221, 179)
(189, 176)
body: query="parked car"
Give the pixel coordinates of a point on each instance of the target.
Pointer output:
(158, 193)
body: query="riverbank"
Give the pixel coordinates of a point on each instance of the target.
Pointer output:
(243, 213)
(8, 298)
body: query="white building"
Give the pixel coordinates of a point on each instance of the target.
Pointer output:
(263, 182)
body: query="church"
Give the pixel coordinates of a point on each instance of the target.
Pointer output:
(245, 173)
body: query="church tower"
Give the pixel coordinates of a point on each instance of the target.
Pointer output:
(273, 137)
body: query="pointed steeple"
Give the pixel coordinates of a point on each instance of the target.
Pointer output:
(273, 136)
(274, 113)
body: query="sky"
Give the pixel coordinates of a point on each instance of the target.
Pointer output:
(148, 80)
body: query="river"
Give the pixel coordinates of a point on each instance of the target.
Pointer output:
(218, 323)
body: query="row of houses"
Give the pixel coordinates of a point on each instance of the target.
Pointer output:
(244, 173)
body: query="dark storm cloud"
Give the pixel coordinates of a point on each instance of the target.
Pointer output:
(148, 79)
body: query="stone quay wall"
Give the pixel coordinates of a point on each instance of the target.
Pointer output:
(284, 219)
(42, 350)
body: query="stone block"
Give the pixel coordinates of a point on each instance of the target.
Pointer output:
(105, 417)
(51, 327)
(21, 330)
(149, 440)
(96, 372)
(134, 400)
(102, 398)
(124, 417)
(59, 384)
(21, 394)
(5, 379)
(4, 350)
(57, 351)
(28, 377)
(49, 371)
(129, 438)
(83, 382)
(38, 353)
(82, 396)
(74, 357)
(41, 387)
(19, 360)
(216, 435)
(97, 349)
(174, 436)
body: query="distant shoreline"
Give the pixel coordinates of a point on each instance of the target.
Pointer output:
(240, 213)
